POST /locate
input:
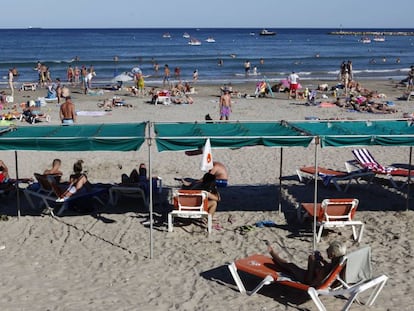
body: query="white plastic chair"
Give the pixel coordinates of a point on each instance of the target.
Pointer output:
(190, 204)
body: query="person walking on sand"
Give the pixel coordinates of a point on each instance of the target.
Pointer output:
(225, 105)
(67, 112)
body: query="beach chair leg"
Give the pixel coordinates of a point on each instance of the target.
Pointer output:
(170, 222)
(62, 209)
(209, 223)
(236, 277)
(313, 293)
(29, 200)
(318, 237)
(361, 231)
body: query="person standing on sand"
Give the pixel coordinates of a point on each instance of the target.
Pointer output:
(166, 75)
(12, 74)
(195, 76)
(76, 73)
(67, 112)
(70, 74)
(225, 105)
(293, 80)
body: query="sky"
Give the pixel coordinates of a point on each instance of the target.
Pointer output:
(207, 13)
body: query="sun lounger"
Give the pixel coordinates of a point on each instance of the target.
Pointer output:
(134, 190)
(126, 191)
(360, 279)
(263, 267)
(163, 97)
(333, 213)
(190, 204)
(365, 160)
(48, 190)
(355, 279)
(335, 177)
(28, 87)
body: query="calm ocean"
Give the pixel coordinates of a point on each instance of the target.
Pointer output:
(312, 53)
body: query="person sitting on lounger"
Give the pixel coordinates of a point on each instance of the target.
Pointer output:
(55, 170)
(218, 170)
(139, 178)
(76, 181)
(4, 172)
(318, 268)
(208, 183)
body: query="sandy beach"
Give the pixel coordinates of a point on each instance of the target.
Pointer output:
(100, 260)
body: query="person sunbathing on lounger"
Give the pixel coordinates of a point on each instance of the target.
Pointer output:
(139, 178)
(318, 268)
(4, 172)
(76, 182)
(55, 170)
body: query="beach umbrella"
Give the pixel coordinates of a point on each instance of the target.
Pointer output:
(123, 77)
(207, 159)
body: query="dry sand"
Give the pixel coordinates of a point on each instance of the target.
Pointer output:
(101, 261)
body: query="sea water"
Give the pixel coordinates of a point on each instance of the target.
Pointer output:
(312, 53)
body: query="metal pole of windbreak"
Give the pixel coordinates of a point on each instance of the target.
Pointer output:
(409, 179)
(149, 142)
(17, 185)
(280, 180)
(315, 194)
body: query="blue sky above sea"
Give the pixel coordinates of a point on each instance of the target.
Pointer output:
(203, 14)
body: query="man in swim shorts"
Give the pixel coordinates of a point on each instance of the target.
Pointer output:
(220, 171)
(67, 112)
(293, 80)
(225, 105)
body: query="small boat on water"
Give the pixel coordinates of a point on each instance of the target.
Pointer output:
(365, 40)
(210, 40)
(186, 35)
(166, 35)
(379, 39)
(194, 41)
(266, 32)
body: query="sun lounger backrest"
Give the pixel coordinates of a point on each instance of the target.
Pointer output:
(333, 275)
(338, 209)
(191, 200)
(44, 182)
(358, 267)
(54, 185)
(366, 160)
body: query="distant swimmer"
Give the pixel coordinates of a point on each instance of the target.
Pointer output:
(233, 55)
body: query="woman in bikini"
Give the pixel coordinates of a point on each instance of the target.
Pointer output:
(76, 182)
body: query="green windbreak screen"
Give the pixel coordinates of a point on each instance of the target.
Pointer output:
(360, 133)
(89, 137)
(186, 136)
